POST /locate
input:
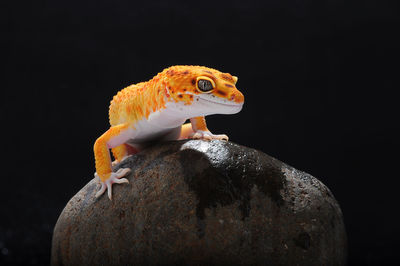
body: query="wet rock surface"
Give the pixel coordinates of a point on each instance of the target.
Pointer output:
(199, 202)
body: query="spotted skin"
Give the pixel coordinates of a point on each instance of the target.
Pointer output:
(157, 110)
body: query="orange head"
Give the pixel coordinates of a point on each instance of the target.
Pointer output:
(204, 89)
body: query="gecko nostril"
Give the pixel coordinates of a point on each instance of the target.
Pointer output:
(237, 97)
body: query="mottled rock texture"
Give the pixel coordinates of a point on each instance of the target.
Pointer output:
(199, 202)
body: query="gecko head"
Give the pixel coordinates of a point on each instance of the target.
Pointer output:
(205, 89)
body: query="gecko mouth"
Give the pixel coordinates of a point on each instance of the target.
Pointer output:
(225, 104)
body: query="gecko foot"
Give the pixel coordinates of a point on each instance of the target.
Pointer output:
(114, 178)
(115, 162)
(208, 135)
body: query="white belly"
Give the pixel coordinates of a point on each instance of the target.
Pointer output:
(158, 125)
(164, 124)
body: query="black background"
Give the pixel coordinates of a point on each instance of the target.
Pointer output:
(318, 79)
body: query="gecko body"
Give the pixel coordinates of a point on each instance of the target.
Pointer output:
(157, 110)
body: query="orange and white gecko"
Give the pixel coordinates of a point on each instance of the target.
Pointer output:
(157, 110)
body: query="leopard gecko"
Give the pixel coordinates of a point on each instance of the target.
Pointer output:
(157, 110)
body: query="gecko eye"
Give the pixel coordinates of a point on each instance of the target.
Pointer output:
(205, 85)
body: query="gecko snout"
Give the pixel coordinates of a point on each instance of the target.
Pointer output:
(237, 97)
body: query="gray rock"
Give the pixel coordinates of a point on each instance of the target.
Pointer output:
(203, 202)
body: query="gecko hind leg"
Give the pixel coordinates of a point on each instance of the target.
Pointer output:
(122, 152)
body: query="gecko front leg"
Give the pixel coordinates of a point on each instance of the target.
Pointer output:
(199, 130)
(115, 136)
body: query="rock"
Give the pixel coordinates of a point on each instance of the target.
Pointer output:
(203, 202)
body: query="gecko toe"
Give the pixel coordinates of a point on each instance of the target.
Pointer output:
(206, 135)
(121, 181)
(122, 172)
(101, 191)
(222, 137)
(109, 190)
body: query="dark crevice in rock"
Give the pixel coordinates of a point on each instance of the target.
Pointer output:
(303, 240)
(209, 185)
